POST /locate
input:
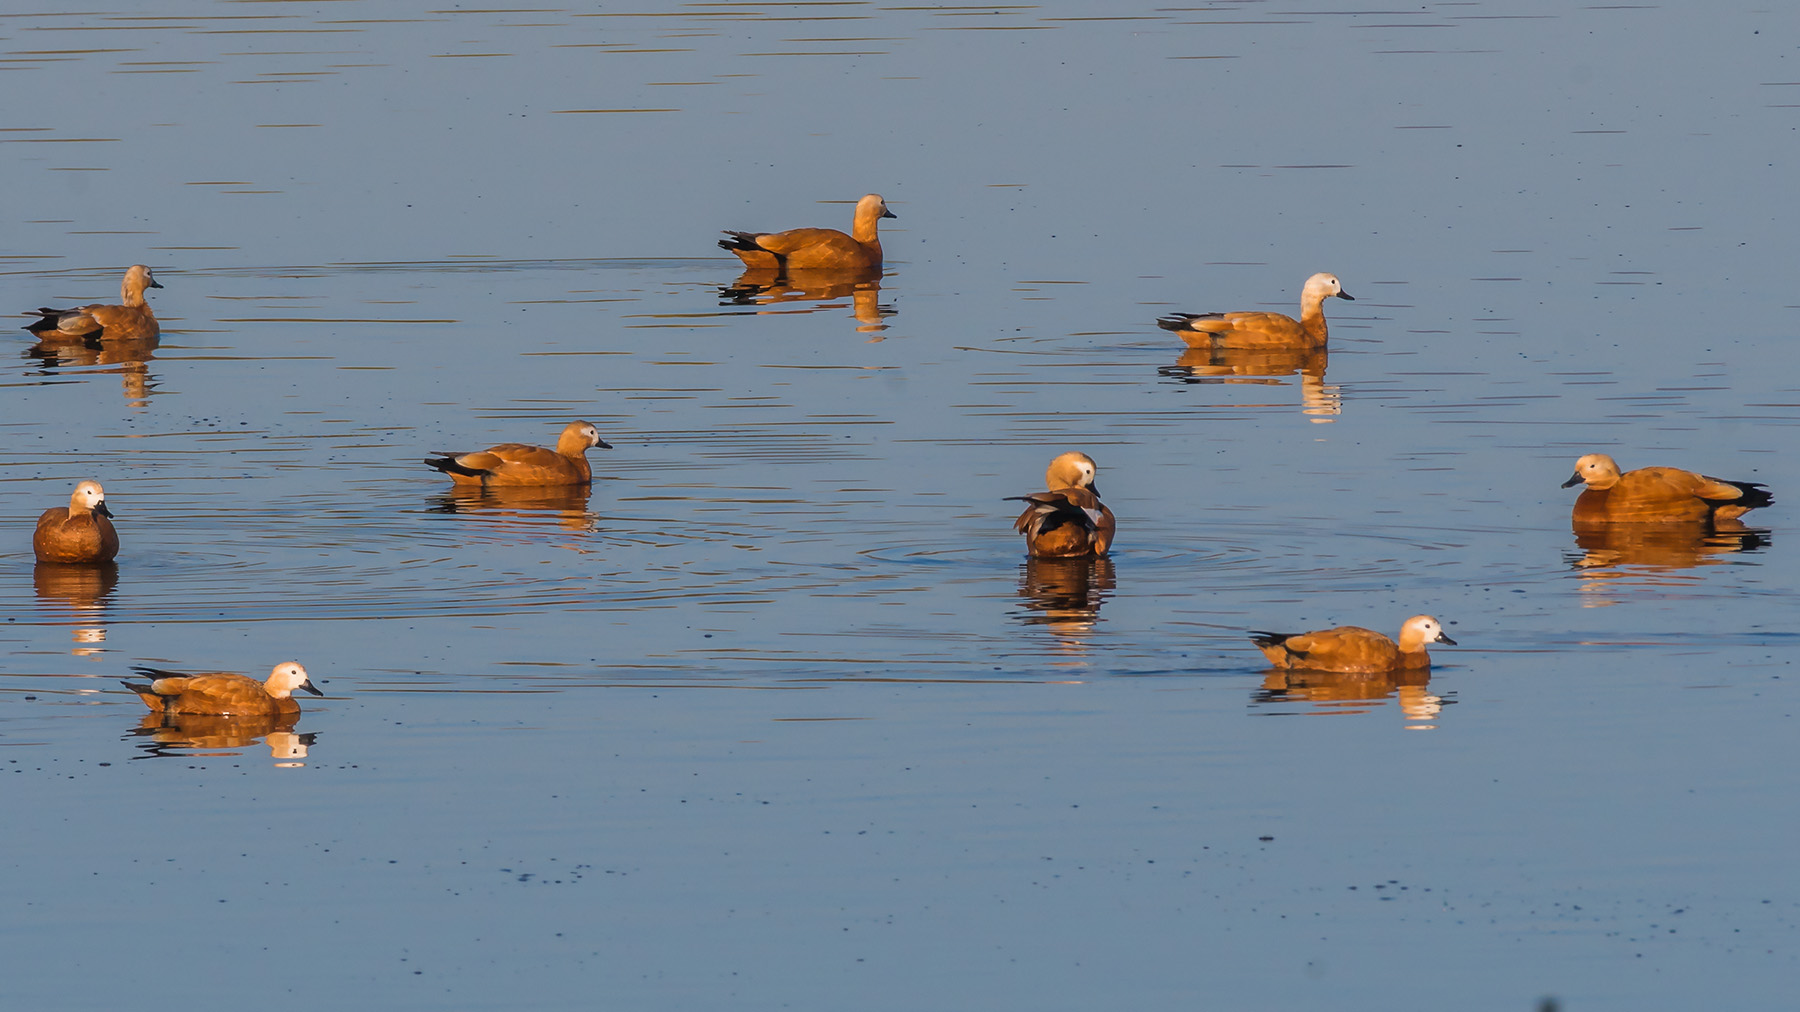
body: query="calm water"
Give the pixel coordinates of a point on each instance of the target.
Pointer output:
(779, 716)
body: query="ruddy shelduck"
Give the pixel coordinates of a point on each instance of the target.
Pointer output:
(223, 694)
(1658, 494)
(1068, 519)
(131, 321)
(1353, 649)
(820, 249)
(79, 532)
(1263, 330)
(524, 464)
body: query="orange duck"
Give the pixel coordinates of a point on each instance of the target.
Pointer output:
(222, 694)
(1263, 330)
(79, 532)
(1658, 494)
(1069, 519)
(133, 320)
(1353, 649)
(523, 464)
(820, 249)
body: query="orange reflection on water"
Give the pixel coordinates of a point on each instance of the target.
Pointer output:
(190, 734)
(83, 587)
(1337, 692)
(1616, 558)
(1265, 367)
(530, 505)
(128, 358)
(775, 288)
(1064, 595)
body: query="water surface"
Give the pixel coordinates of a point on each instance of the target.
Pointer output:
(779, 716)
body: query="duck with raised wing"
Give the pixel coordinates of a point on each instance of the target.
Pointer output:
(222, 693)
(1658, 494)
(79, 532)
(131, 321)
(1068, 519)
(1353, 649)
(1263, 330)
(821, 249)
(524, 464)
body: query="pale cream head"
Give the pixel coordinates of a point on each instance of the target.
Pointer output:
(1072, 470)
(1323, 286)
(1419, 630)
(286, 678)
(1596, 469)
(871, 206)
(137, 278)
(86, 497)
(580, 436)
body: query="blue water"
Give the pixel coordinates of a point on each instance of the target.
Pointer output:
(779, 716)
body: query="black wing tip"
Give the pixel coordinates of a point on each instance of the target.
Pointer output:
(1185, 321)
(143, 687)
(740, 241)
(1264, 638)
(448, 465)
(1752, 494)
(1756, 494)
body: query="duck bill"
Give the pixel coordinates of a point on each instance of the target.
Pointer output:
(1445, 639)
(1574, 480)
(100, 508)
(1346, 296)
(885, 213)
(310, 687)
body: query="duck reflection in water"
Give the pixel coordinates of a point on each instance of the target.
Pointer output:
(530, 506)
(1264, 367)
(128, 357)
(186, 734)
(81, 590)
(770, 288)
(1613, 558)
(83, 587)
(1064, 595)
(1329, 692)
